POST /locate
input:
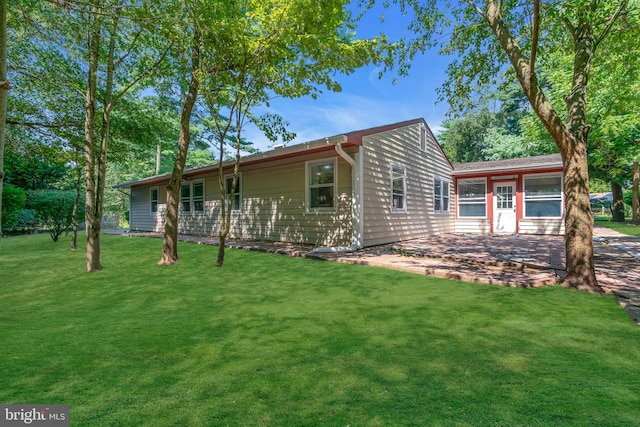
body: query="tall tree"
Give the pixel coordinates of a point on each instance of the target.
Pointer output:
(4, 87)
(170, 238)
(489, 35)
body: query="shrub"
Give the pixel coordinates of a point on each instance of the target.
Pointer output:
(54, 210)
(13, 201)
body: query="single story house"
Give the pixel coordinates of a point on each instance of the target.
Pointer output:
(358, 189)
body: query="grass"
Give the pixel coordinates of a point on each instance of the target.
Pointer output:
(623, 227)
(270, 340)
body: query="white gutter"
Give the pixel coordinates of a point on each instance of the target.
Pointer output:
(354, 171)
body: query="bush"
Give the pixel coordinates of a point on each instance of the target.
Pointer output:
(13, 201)
(54, 210)
(26, 222)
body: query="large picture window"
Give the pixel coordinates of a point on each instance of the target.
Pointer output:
(321, 186)
(153, 196)
(398, 188)
(236, 205)
(543, 196)
(472, 198)
(440, 194)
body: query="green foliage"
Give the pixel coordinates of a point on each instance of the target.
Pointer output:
(13, 202)
(276, 341)
(34, 171)
(54, 209)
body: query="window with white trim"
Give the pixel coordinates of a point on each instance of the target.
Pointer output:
(321, 186)
(543, 196)
(192, 196)
(153, 196)
(472, 198)
(440, 194)
(398, 188)
(236, 205)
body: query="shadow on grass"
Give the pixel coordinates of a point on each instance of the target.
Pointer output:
(270, 340)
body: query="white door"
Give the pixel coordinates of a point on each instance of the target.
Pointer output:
(504, 207)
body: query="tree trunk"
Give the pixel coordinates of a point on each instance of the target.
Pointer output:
(221, 245)
(92, 228)
(4, 88)
(170, 238)
(76, 205)
(570, 138)
(617, 206)
(635, 203)
(580, 264)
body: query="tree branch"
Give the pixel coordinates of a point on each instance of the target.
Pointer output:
(534, 37)
(612, 19)
(140, 77)
(41, 124)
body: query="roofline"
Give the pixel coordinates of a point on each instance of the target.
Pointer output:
(274, 154)
(348, 139)
(480, 170)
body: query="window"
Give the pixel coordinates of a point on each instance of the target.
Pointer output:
(472, 198)
(440, 195)
(543, 196)
(236, 206)
(185, 197)
(504, 196)
(192, 196)
(321, 186)
(423, 138)
(398, 188)
(154, 199)
(198, 196)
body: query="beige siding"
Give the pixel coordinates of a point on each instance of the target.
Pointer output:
(541, 226)
(402, 146)
(482, 226)
(273, 206)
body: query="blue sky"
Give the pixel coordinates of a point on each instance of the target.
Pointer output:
(365, 100)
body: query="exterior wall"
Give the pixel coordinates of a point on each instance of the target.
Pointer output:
(140, 216)
(481, 226)
(273, 200)
(402, 146)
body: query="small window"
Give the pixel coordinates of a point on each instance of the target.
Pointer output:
(398, 188)
(472, 198)
(185, 197)
(423, 138)
(321, 186)
(236, 199)
(441, 194)
(543, 196)
(154, 200)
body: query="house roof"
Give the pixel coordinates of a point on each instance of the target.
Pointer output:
(348, 139)
(528, 163)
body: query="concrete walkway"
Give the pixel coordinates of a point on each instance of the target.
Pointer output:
(519, 261)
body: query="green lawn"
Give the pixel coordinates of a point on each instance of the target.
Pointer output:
(271, 340)
(622, 227)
